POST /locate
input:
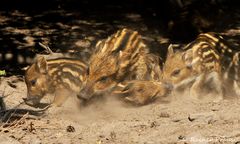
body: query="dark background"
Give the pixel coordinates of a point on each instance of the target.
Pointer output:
(74, 26)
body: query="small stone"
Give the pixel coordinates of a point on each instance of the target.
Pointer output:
(164, 115)
(153, 124)
(70, 128)
(101, 136)
(181, 137)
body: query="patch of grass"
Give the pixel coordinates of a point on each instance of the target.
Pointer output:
(2, 73)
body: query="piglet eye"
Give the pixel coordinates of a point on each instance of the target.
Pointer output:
(88, 71)
(103, 79)
(176, 72)
(33, 82)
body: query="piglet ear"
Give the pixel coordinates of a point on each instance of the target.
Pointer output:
(170, 50)
(188, 58)
(41, 65)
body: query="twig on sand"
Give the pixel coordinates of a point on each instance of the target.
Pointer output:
(51, 54)
(18, 113)
(16, 122)
(46, 47)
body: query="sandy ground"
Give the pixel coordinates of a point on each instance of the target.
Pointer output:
(180, 120)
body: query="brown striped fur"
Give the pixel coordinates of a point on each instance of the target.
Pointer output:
(60, 77)
(141, 92)
(200, 63)
(121, 57)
